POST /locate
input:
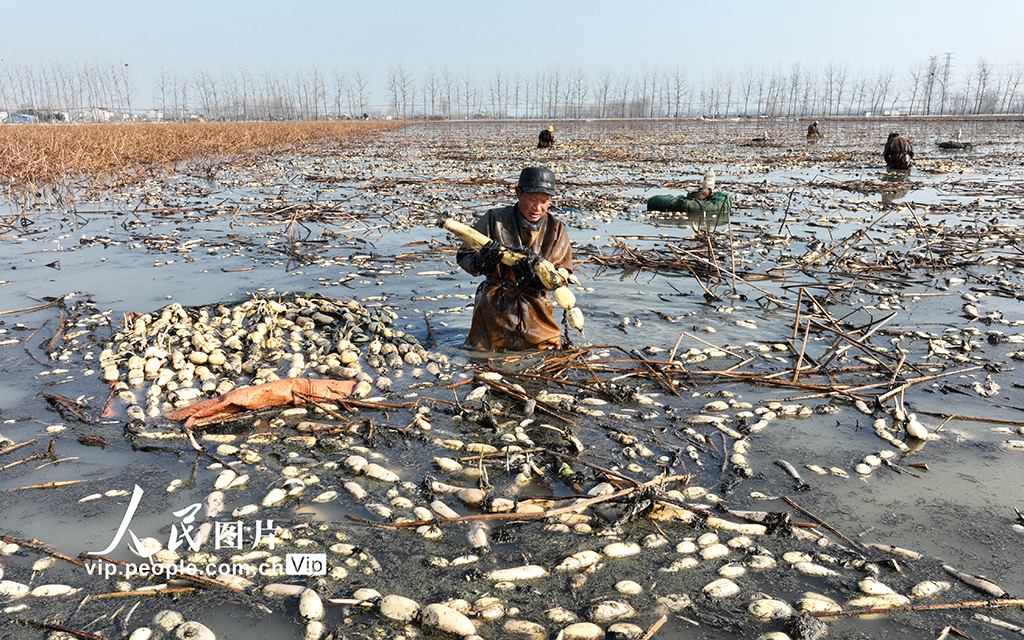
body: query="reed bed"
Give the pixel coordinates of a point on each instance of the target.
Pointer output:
(51, 162)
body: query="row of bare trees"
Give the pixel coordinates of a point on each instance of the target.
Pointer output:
(240, 95)
(65, 90)
(930, 86)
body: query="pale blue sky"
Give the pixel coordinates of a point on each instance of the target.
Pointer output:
(513, 36)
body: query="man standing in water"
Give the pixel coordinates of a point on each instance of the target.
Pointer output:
(898, 152)
(513, 311)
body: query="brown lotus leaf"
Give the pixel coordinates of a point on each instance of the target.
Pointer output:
(272, 394)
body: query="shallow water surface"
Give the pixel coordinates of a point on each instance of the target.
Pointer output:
(809, 220)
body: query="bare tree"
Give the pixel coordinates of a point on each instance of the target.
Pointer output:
(268, 93)
(101, 85)
(468, 89)
(518, 85)
(247, 86)
(44, 90)
(53, 89)
(647, 86)
(625, 84)
(707, 97)
(836, 75)
(129, 83)
(318, 92)
(931, 81)
(342, 85)
(746, 87)
(553, 86)
(7, 101)
(66, 90)
(161, 85)
(170, 104)
(1009, 94)
(431, 89)
(778, 88)
(858, 94)
(579, 89)
(761, 82)
(795, 79)
(302, 86)
(539, 82)
(679, 85)
(392, 86)
(110, 78)
(918, 76)
(726, 81)
(182, 98)
(206, 89)
(983, 101)
(90, 83)
(406, 90)
(604, 87)
(526, 97)
(448, 84)
(880, 89)
(810, 97)
(400, 90)
(944, 88)
(230, 95)
(361, 92)
(495, 92)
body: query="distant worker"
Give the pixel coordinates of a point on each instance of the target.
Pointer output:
(546, 138)
(512, 309)
(812, 130)
(707, 187)
(898, 152)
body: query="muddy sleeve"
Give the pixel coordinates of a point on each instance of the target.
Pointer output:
(466, 254)
(464, 258)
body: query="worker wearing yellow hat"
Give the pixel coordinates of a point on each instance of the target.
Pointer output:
(546, 138)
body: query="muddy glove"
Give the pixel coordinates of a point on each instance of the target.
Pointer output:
(525, 270)
(487, 257)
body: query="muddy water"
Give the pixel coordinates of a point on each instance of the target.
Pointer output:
(200, 242)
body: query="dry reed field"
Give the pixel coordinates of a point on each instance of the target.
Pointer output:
(54, 159)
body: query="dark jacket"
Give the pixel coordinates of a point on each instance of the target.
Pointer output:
(545, 139)
(898, 153)
(506, 316)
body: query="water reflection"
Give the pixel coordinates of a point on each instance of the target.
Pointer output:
(696, 220)
(894, 185)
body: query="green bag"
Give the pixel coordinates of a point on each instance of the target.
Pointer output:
(717, 202)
